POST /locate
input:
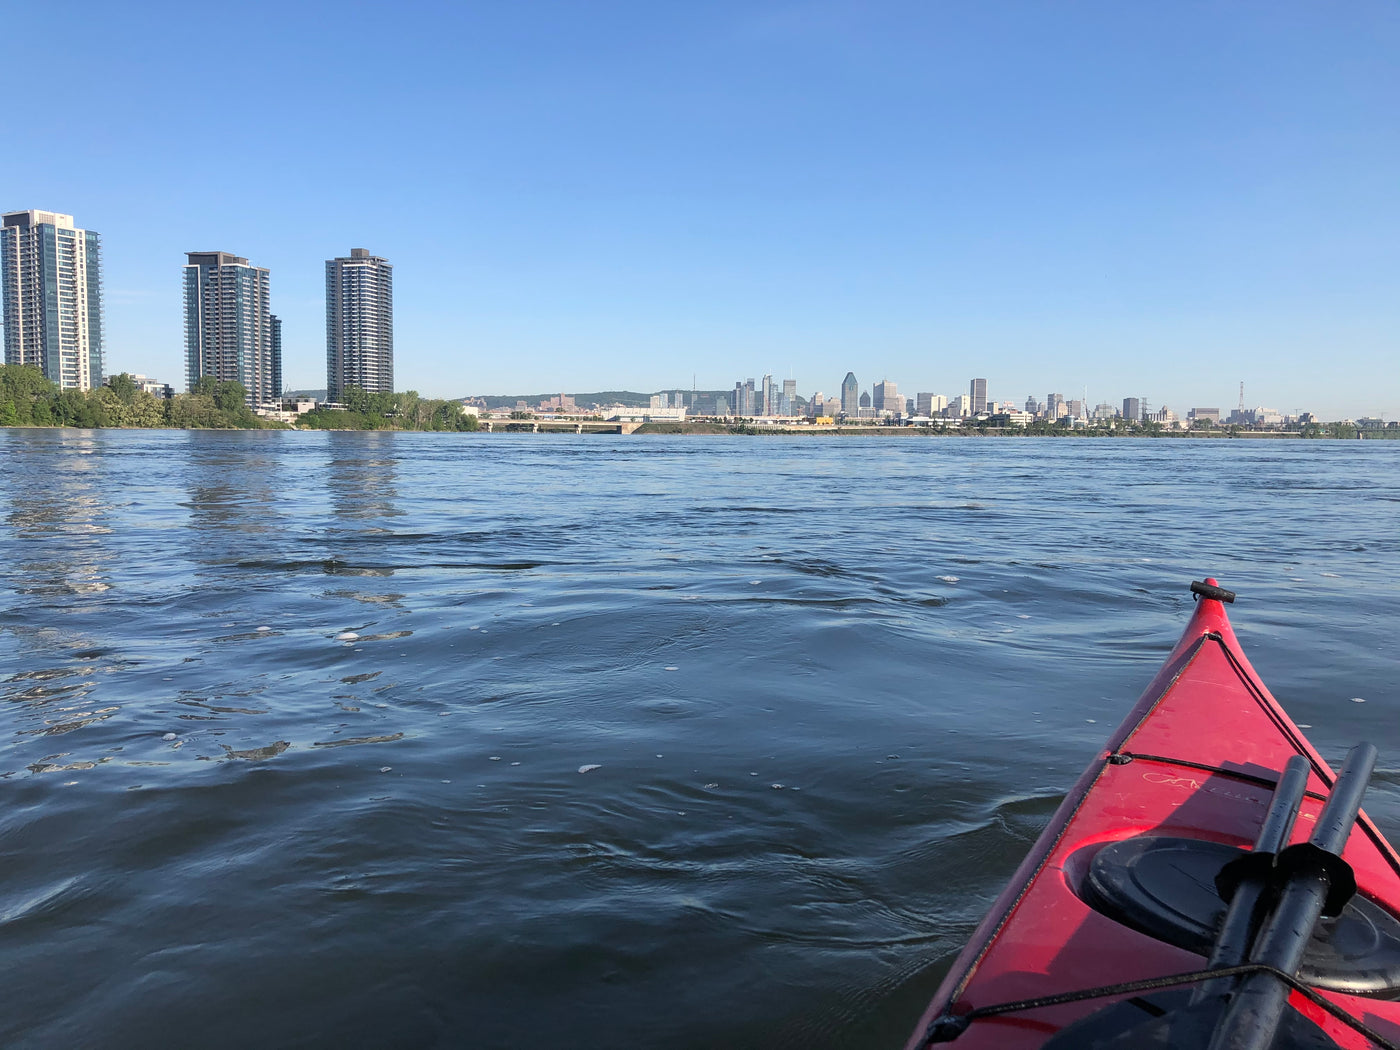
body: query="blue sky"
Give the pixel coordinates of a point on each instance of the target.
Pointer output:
(1156, 200)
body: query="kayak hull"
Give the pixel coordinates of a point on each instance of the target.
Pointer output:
(1197, 757)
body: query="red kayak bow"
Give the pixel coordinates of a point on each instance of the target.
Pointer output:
(1209, 881)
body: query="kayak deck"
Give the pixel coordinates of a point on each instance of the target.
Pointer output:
(1197, 758)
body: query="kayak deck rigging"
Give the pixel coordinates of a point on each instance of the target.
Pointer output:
(1207, 827)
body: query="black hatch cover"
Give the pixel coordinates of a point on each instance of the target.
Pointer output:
(1165, 887)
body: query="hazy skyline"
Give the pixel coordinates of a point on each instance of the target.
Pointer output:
(1144, 201)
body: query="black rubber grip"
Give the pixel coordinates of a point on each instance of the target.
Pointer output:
(1209, 590)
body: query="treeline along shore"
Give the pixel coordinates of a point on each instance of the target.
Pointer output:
(27, 399)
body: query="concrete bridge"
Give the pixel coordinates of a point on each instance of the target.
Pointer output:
(555, 426)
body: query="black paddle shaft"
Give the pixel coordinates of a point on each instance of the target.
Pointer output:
(1250, 893)
(1256, 1009)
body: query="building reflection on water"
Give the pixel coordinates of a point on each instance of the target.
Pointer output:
(58, 517)
(234, 482)
(362, 476)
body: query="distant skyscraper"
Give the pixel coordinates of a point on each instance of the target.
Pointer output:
(230, 333)
(359, 324)
(1054, 406)
(51, 283)
(887, 397)
(746, 400)
(850, 395)
(276, 354)
(770, 400)
(930, 404)
(789, 396)
(977, 393)
(1132, 409)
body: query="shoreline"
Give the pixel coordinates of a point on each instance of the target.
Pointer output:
(706, 429)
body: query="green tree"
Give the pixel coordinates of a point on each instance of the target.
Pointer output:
(26, 397)
(194, 411)
(123, 386)
(355, 399)
(76, 409)
(230, 396)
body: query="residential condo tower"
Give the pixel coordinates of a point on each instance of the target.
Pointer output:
(230, 333)
(359, 324)
(51, 284)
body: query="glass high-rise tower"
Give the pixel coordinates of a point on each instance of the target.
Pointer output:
(230, 333)
(51, 284)
(850, 395)
(359, 324)
(977, 391)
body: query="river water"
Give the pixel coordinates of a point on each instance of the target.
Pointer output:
(420, 740)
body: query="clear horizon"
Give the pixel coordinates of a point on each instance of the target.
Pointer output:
(1158, 203)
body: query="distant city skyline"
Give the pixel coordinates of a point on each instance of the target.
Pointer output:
(230, 333)
(1165, 200)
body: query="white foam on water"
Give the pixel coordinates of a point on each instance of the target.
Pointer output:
(260, 629)
(1358, 699)
(169, 736)
(673, 668)
(949, 579)
(385, 769)
(589, 768)
(1330, 575)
